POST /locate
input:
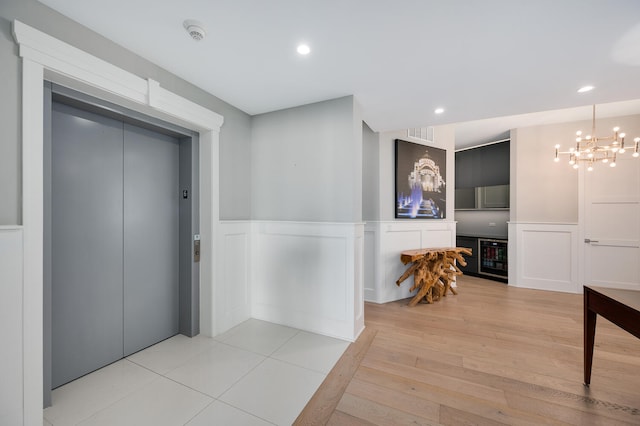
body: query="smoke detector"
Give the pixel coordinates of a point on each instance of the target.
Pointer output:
(195, 29)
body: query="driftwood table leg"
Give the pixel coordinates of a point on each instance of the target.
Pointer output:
(433, 271)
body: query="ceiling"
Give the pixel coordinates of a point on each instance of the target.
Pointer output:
(511, 62)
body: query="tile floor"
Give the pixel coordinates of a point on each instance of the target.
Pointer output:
(257, 373)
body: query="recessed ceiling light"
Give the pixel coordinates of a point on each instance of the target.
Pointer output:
(303, 49)
(439, 110)
(584, 89)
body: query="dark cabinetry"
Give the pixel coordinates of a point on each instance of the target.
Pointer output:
(484, 166)
(472, 261)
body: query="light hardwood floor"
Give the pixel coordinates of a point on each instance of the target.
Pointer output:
(493, 354)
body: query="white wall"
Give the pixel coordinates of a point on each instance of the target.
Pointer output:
(544, 256)
(308, 275)
(387, 237)
(11, 397)
(546, 191)
(385, 240)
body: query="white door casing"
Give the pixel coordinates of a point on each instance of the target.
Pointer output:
(612, 225)
(44, 57)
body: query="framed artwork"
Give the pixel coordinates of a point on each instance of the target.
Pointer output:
(421, 191)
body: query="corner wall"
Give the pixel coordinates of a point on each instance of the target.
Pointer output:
(387, 237)
(306, 232)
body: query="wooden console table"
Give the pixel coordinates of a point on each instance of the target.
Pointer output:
(621, 307)
(433, 271)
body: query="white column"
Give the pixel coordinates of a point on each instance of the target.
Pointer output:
(32, 219)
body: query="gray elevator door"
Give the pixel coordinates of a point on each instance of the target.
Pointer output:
(114, 240)
(151, 232)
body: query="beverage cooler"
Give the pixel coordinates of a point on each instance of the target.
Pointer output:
(493, 258)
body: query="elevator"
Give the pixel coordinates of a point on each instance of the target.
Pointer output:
(121, 222)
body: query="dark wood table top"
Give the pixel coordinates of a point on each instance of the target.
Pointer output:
(631, 298)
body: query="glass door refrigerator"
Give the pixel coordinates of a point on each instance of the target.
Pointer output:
(493, 258)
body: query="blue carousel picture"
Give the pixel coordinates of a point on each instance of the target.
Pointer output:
(421, 191)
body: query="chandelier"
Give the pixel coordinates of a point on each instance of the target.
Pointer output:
(591, 149)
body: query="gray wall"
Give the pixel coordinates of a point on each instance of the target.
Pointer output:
(370, 174)
(234, 136)
(482, 223)
(306, 163)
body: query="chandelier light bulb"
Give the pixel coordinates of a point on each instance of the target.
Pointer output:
(636, 140)
(621, 151)
(575, 166)
(614, 149)
(622, 135)
(579, 133)
(590, 168)
(590, 155)
(588, 137)
(556, 159)
(557, 146)
(572, 161)
(636, 154)
(578, 139)
(615, 129)
(613, 164)
(605, 160)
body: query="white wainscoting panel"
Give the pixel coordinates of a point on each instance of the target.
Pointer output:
(309, 276)
(544, 256)
(11, 366)
(233, 291)
(389, 239)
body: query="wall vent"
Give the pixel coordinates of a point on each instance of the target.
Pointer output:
(421, 133)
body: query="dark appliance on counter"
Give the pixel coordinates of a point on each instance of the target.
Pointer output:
(493, 258)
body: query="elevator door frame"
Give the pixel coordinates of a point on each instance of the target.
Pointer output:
(189, 271)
